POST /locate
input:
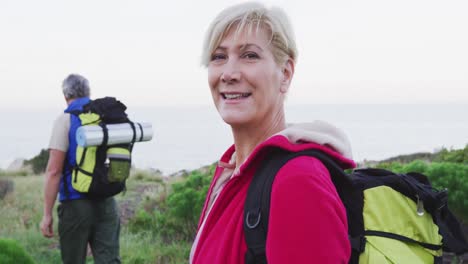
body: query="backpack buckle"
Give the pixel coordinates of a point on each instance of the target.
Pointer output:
(442, 198)
(248, 217)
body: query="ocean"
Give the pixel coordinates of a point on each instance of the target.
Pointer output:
(189, 137)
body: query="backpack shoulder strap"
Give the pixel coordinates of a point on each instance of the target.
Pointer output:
(257, 203)
(75, 112)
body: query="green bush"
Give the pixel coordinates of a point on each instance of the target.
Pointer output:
(183, 206)
(453, 155)
(175, 217)
(11, 253)
(454, 177)
(39, 162)
(443, 155)
(391, 166)
(143, 221)
(169, 222)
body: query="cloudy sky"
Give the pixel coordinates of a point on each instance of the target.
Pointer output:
(148, 52)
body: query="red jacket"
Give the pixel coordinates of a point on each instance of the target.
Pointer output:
(307, 221)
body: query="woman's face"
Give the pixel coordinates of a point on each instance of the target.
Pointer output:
(246, 83)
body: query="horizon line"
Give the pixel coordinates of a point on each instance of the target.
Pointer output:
(3, 107)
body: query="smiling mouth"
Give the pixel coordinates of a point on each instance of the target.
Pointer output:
(234, 96)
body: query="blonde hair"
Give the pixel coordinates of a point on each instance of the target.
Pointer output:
(249, 16)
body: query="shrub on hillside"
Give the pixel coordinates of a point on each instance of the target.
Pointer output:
(442, 155)
(12, 253)
(457, 155)
(6, 186)
(39, 162)
(183, 206)
(143, 221)
(176, 215)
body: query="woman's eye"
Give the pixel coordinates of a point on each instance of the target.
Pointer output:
(218, 56)
(250, 55)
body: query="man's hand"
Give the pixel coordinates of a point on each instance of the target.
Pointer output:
(51, 188)
(46, 226)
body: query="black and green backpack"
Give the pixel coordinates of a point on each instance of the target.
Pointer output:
(101, 171)
(392, 218)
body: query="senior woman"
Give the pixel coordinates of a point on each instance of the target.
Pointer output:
(250, 54)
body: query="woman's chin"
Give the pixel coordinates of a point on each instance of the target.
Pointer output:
(234, 119)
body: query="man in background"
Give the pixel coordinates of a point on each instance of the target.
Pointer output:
(81, 220)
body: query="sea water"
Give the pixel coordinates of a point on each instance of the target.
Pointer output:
(189, 137)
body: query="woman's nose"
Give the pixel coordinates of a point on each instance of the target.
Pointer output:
(231, 73)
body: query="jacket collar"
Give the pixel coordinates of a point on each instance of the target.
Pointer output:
(280, 141)
(77, 104)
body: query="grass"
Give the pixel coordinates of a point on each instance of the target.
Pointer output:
(11, 252)
(14, 173)
(21, 213)
(143, 248)
(21, 210)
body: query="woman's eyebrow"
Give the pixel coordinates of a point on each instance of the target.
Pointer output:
(222, 48)
(241, 47)
(249, 45)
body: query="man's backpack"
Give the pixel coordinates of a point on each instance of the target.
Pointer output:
(101, 171)
(392, 218)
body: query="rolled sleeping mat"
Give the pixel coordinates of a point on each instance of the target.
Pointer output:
(92, 135)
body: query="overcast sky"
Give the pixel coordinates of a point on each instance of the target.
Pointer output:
(147, 53)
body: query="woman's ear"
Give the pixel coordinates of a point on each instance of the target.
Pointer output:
(287, 75)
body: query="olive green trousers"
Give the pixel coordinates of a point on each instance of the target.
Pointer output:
(85, 221)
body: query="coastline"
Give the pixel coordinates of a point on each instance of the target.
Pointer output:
(190, 137)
